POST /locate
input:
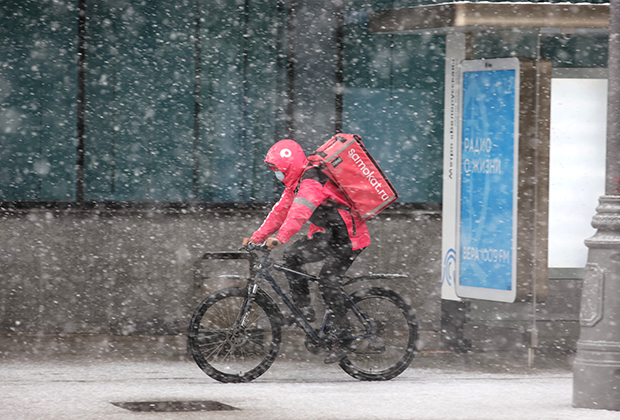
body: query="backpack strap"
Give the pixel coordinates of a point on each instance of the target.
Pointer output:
(316, 173)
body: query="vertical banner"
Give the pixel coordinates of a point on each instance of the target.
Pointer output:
(488, 186)
(455, 53)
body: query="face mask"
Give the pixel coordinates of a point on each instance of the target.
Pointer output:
(279, 176)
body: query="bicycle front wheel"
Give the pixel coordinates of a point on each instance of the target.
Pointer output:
(384, 352)
(228, 351)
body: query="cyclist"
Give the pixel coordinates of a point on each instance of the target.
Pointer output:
(337, 235)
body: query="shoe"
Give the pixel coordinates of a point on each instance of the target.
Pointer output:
(340, 351)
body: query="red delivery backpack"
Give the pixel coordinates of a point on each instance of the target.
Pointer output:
(346, 161)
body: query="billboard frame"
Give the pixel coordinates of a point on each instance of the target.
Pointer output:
(491, 272)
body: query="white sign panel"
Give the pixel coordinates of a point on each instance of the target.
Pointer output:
(455, 53)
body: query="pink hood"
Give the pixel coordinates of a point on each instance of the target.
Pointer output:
(288, 157)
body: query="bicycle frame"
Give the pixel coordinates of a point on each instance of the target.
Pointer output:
(263, 272)
(235, 333)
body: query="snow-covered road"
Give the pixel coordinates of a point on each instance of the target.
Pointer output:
(79, 389)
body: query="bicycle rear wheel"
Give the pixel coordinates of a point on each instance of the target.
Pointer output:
(226, 351)
(385, 353)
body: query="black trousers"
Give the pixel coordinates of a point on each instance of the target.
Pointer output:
(335, 249)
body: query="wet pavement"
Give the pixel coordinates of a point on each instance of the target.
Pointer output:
(437, 386)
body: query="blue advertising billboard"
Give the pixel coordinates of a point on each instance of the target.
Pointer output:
(488, 142)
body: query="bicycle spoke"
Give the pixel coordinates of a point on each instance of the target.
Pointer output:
(388, 349)
(228, 351)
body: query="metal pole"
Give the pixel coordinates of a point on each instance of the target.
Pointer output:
(81, 102)
(531, 351)
(197, 101)
(612, 184)
(596, 381)
(291, 61)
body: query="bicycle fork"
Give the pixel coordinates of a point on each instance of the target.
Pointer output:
(244, 312)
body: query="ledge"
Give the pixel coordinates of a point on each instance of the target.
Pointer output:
(468, 15)
(174, 207)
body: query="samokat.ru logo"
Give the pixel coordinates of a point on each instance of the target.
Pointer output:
(368, 174)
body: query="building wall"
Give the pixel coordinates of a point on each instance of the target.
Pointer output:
(182, 99)
(131, 272)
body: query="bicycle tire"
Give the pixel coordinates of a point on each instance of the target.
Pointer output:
(233, 356)
(398, 333)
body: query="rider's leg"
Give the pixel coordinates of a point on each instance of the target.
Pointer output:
(336, 265)
(299, 253)
(338, 329)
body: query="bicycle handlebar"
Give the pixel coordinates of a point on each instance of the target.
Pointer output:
(251, 247)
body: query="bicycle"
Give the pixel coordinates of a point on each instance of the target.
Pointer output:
(235, 333)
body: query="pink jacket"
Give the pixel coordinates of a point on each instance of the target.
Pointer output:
(294, 209)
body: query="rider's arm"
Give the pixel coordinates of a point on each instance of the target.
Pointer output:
(308, 198)
(275, 218)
